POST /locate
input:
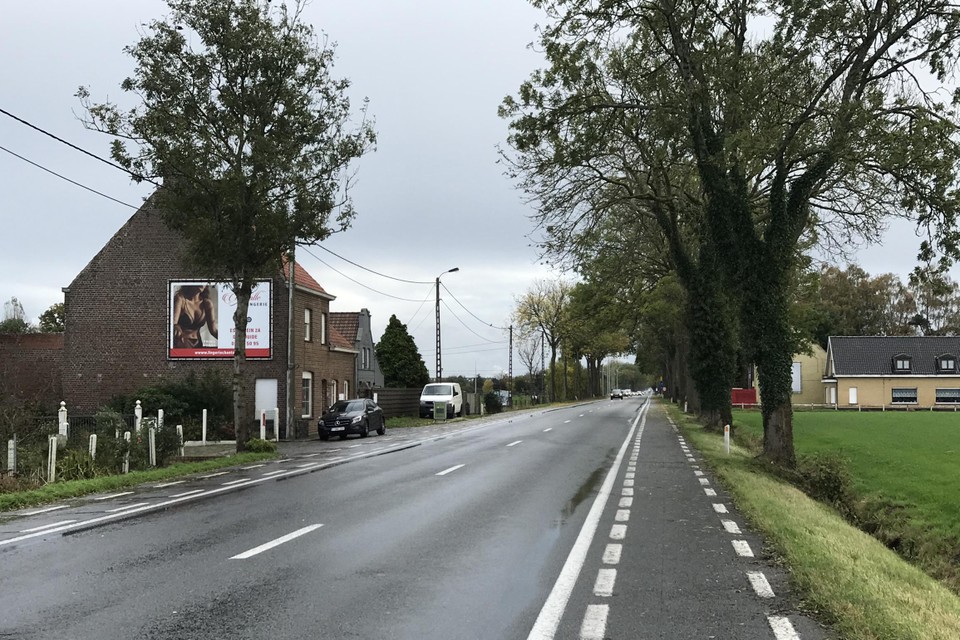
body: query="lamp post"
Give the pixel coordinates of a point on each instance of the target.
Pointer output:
(439, 368)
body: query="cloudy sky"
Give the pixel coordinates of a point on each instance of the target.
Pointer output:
(429, 199)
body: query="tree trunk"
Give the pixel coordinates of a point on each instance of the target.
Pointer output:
(241, 415)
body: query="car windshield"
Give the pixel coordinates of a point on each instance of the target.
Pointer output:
(347, 406)
(438, 390)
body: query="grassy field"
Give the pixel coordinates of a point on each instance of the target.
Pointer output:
(910, 459)
(848, 579)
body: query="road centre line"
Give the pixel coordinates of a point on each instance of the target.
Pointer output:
(566, 422)
(548, 620)
(514, 443)
(275, 543)
(47, 526)
(451, 470)
(548, 429)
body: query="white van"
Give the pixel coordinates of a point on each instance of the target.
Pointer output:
(448, 392)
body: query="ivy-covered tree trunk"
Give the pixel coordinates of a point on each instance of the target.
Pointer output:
(713, 347)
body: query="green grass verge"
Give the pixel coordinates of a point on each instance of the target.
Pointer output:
(844, 576)
(75, 488)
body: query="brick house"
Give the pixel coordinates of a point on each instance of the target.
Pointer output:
(120, 334)
(31, 369)
(355, 327)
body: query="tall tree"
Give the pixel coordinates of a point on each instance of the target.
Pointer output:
(52, 320)
(14, 318)
(759, 132)
(542, 308)
(250, 135)
(397, 353)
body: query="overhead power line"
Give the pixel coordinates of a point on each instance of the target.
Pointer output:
(360, 266)
(328, 265)
(492, 326)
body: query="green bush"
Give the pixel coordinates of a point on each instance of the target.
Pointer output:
(256, 445)
(492, 402)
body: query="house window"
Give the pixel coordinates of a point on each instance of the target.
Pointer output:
(365, 364)
(323, 328)
(905, 396)
(307, 325)
(307, 385)
(901, 364)
(795, 378)
(346, 390)
(948, 396)
(946, 364)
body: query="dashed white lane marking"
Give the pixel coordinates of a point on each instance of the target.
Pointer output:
(698, 473)
(305, 465)
(47, 510)
(188, 493)
(168, 484)
(309, 455)
(354, 446)
(451, 469)
(630, 475)
(622, 515)
(47, 526)
(730, 526)
(742, 547)
(704, 481)
(594, 625)
(760, 585)
(606, 579)
(548, 429)
(720, 508)
(710, 492)
(618, 532)
(274, 543)
(273, 473)
(253, 466)
(611, 554)
(626, 491)
(214, 475)
(782, 628)
(125, 507)
(116, 495)
(514, 443)
(626, 503)
(566, 422)
(628, 483)
(233, 482)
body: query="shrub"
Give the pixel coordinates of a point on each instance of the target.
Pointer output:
(256, 445)
(826, 477)
(492, 402)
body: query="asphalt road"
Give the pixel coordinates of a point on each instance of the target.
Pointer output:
(589, 522)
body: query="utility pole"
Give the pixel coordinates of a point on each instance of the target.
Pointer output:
(439, 369)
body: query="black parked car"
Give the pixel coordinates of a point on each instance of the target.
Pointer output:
(351, 416)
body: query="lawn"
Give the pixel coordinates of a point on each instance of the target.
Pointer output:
(912, 458)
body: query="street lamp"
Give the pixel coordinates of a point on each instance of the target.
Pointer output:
(439, 369)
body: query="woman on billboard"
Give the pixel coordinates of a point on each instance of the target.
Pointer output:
(193, 309)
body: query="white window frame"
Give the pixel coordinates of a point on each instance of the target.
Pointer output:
(323, 329)
(306, 389)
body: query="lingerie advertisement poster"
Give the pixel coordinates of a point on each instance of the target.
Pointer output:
(201, 320)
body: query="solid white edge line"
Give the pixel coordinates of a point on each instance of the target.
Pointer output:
(450, 470)
(782, 628)
(129, 506)
(760, 584)
(548, 619)
(188, 493)
(47, 526)
(113, 495)
(274, 543)
(164, 485)
(594, 626)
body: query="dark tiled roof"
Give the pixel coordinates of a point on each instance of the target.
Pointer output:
(873, 355)
(337, 340)
(302, 277)
(347, 323)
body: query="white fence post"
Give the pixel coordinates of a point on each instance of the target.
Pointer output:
(263, 424)
(126, 456)
(203, 437)
(180, 438)
(276, 425)
(137, 417)
(152, 445)
(12, 455)
(52, 459)
(62, 425)
(93, 446)
(159, 418)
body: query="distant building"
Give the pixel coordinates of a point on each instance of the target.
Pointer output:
(355, 327)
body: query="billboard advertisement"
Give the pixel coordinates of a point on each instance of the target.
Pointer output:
(201, 320)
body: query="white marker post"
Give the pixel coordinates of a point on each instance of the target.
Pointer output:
(726, 438)
(263, 425)
(203, 436)
(276, 425)
(93, 446)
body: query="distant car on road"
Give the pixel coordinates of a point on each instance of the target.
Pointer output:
(359, 416)
(616, 394)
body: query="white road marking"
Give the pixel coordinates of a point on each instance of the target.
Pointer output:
(782, 628)
(566, 422)
(514, 443)
(760, 585)
(730, 526)
(611, 554)
(354, 446)
(214, 475)
(704, 481)
(594, 625)
(273, 473)
(603, 587)
(548, 429)
(720, 508)
(626, 491)
(309, 455)
(274, 543)
(129, 506)
(114, 495)
(47, 526)
(548, 620)
(253, 466)
(742, 547)
(451, 469)
(622, 515)
(233, 482)
(618, 532)
(626, 503)
(710, 492)
(630, 474)
(168, 484)
(188, 493)
(47, 510)
(628, 482)
(305, 465)
(698, 473)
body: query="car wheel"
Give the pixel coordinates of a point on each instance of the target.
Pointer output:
(460, 413)
(383, 427)
(364, 430)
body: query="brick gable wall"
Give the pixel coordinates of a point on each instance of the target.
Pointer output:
(31, 366)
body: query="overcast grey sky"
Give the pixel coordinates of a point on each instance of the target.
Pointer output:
(430, 198)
